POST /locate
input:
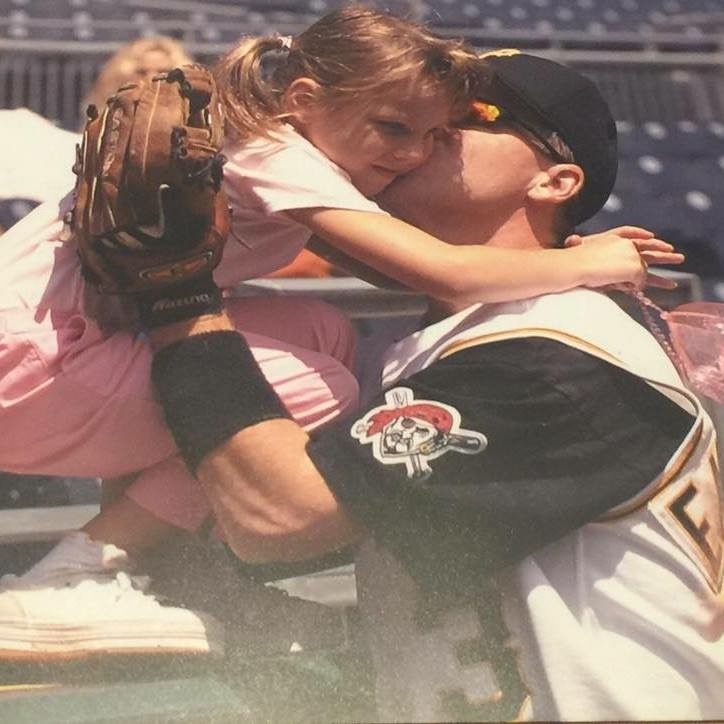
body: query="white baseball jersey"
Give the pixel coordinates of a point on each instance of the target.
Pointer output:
(622, 618)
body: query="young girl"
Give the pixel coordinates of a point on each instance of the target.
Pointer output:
(356, 102)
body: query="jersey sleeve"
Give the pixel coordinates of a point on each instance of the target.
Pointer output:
(286, 173)
(494, 452)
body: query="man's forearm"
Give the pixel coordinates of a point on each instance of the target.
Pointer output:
(234, 433)
(163, 336)
(269, 498)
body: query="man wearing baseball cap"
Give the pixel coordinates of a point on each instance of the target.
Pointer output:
(542, 454)
(546, 446)
(564, 112)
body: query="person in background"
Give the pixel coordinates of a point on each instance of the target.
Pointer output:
(135, 61)
(38, 155)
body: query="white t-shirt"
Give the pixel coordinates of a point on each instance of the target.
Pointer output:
(264, 178)
(37, 157)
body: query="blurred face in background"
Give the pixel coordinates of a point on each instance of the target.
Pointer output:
(137, 60)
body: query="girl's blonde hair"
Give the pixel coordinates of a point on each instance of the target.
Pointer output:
(133, 61)
(355, 54)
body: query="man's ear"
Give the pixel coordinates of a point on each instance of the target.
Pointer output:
(301, 97)
(557, 184)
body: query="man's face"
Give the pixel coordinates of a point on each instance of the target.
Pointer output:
(471, 171)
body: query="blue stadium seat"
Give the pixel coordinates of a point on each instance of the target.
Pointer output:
(688, 140)
(12, 210)
(647, 139)
(587, 16)
(46, 30)
(226, 33)
(584, 22)
(701, 174)
(31, 491)
(693, 221)
(39, 8)
(646, 176)
(449, 14)
(671, 180)
(145, 15)
(625, 207)
(112, 32)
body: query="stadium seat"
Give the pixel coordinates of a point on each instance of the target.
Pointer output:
(583, 16)
(31, 491)
(12, 210)
(670, 180)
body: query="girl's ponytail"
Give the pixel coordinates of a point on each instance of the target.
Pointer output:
(250, 103)
(355, 54)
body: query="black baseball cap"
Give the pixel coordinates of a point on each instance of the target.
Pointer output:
(562, 100)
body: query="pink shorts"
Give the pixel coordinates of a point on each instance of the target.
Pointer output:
(76, 402)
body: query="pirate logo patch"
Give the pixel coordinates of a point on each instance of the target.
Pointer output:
(413, 432)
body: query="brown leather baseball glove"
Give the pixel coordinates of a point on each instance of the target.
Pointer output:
(149, 212)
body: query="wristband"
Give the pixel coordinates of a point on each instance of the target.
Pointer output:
(176, 303)
(211, 387)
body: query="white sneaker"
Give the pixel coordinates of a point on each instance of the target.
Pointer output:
(80, 600)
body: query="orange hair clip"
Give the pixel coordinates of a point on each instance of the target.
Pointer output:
(486, 111)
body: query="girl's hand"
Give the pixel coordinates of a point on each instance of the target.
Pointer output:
(618, 243)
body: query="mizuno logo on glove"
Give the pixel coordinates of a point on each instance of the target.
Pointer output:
(166, 303)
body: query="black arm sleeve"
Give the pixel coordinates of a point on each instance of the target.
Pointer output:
(210, 387)
(568, 437)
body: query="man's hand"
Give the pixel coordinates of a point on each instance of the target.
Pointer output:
(614, 247)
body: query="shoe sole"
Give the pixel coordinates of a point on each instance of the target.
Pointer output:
(50, 642)
(18, 656)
